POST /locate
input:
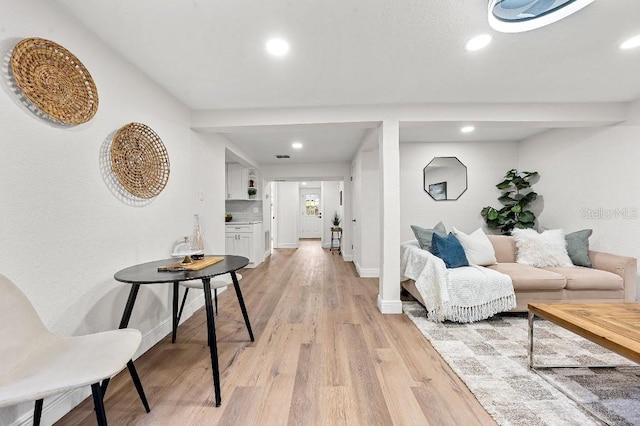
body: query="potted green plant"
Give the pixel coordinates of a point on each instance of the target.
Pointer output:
(336, 219)
(228, 217)
(513, 214)
(252, 192)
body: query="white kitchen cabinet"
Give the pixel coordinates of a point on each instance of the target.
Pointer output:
(236, 182)
(243, 239)
(239, 179)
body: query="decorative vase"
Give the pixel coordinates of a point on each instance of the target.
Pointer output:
(197, 242)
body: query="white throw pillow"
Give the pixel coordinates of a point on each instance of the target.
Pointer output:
(477, 247)
(541, 250)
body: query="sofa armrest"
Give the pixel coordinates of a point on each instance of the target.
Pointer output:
(623, 266)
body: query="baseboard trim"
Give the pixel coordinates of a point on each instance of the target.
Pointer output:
(56, 407)
(367, 272)
(288, 245)
(389, 307)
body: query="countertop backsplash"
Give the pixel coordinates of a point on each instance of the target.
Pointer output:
(244, 210)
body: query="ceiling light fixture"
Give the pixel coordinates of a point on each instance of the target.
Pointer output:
(631, 43)
(296, 145)
(304, 183)
(277, 47)
(516, 16)
(478, 42)
(467, 129)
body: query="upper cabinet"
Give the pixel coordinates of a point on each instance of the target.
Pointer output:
(239, 182)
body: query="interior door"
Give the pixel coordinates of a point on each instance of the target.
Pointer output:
(311, 214)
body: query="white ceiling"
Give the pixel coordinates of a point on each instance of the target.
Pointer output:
(210, 55)
(321, 143)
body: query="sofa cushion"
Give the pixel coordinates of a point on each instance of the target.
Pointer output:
(529, 278)
(425, 235)
(504, 247)
(581, 278)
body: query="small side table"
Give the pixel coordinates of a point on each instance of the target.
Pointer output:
(336, 240)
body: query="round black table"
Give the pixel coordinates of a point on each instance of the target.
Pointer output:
(147, 273)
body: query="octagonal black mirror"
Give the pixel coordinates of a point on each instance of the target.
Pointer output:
(445, 178)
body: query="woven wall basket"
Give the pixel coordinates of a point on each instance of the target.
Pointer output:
(139, 160)
(54, 80)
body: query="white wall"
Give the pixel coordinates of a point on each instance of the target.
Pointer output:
(589, 178)
(287, 214)
(63, 233)
(486, 162)
(367, 195)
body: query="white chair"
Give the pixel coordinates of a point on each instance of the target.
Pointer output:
(216, 283)
(37, 364)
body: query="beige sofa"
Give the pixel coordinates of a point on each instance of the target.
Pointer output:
(612, 278)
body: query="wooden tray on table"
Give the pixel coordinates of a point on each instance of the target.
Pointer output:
(193, 266)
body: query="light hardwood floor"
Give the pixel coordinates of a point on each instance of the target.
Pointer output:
(323, 355)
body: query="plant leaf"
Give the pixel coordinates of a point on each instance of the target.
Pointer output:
(527, 216)
(505, 199)
(504, 184)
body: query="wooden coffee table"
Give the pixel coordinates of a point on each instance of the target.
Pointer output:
(615, 326)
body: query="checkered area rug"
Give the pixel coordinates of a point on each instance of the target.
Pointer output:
(491, 358)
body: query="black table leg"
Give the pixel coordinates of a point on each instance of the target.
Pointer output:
(176, 286)
(211, 334)
(126, 315)
(124, 322)
(236, 285)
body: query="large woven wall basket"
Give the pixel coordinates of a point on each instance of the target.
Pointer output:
(139, 160)
(54, 80)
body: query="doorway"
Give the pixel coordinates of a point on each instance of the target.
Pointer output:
(311, 213)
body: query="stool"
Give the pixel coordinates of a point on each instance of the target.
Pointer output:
(216, 283)
(336, 240)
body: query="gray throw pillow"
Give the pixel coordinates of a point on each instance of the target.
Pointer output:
(578, 247)
(424, 235)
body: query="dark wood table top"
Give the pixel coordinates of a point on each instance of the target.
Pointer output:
(147, 273)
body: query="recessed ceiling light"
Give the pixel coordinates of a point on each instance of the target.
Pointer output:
(467, 129)
(478, 42)
(631, 43)
(296, 145)
(277, 47)
(516, 16)
(304, 183)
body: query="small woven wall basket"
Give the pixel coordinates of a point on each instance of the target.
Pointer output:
(54, 80)
(139, 160)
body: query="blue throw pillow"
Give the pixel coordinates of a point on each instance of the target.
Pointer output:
(450, 250)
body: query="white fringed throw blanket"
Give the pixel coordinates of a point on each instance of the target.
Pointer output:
(466, 294)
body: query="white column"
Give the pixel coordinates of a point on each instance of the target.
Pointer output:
(389, 149)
